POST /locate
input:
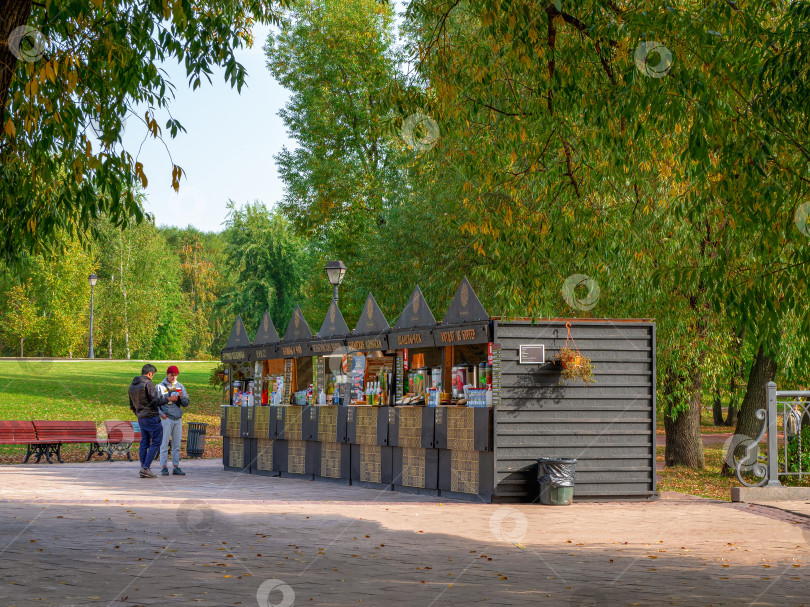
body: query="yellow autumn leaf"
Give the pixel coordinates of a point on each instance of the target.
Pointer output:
(11, 131)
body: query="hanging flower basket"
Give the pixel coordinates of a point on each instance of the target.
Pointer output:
(574, 364)
(569, 358)
(218, 376)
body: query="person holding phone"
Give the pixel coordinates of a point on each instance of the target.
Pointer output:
(171, 418)
(145, 401)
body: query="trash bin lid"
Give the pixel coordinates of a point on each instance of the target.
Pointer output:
(556, 460)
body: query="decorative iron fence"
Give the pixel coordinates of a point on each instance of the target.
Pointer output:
(787, 424)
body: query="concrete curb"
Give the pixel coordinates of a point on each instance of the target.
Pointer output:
(769, 494)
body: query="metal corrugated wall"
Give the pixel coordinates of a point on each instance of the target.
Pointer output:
(608, 426)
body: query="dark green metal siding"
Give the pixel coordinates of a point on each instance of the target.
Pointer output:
(608, 426)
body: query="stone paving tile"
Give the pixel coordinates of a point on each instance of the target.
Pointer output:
(74, 532)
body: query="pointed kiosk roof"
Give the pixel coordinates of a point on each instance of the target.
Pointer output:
(297, 332)
(465, 307)
(416, 314)
(237, 348)
(371, 332)
(266, 334)
(414, 326)
(333, 333)
(264, 344)
(333, 324)
(466, 321)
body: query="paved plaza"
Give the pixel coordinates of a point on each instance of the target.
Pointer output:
(95, 534)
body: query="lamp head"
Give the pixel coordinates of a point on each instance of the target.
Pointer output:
(93, 279)
(335, 270)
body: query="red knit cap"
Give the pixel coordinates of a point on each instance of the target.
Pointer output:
(173, 369)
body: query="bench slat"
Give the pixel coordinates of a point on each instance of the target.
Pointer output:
(65, 431)
(16, 432)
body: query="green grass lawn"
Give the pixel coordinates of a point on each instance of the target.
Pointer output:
(97, 391)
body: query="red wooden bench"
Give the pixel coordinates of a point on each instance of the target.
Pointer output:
(52, 434)
(17, 432)
(120, 438)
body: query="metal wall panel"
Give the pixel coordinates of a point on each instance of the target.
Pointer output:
(608, 426)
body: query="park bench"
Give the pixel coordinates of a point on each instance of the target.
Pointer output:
(47, 437)
(120, 438)
(52, 434)
(17, 432)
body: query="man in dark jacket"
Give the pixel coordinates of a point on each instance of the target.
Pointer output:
(144, 401)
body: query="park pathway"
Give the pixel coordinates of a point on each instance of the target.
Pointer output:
(95, 534)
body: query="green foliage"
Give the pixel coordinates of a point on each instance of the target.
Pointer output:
(267, 263)
(20, 318)
(147, 279)
(675, 190)
(59, 290)
(201, 261)
(338, 60)
(354, 188)
(172, 337)
(62, 160)
(138, 282)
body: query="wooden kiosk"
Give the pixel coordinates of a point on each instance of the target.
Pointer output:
(486, 452)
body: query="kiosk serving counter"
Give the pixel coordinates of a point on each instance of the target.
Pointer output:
(462, 408)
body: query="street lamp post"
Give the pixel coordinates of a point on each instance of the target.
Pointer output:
(92, 279)
(335, 270)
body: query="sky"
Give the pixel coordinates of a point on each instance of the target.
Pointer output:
(227, 151)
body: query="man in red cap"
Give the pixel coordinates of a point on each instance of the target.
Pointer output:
(171, 418)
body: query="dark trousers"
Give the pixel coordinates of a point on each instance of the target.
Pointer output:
(151, 437)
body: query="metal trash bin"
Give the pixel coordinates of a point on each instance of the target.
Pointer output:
(556, 478)
(195, 443)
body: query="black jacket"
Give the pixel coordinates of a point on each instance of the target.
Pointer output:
(144, 399)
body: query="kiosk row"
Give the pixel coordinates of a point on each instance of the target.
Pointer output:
(459, 408)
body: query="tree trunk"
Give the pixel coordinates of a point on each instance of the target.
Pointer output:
(124, 293)
(684, 445)
(763, 371)
(687, 444)
(669, 431)
(22, 340)
(731, 419)
(748, 426)
(13, 13)
(109, 348)
(669, 382)
(717, 408)
(736, 376)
